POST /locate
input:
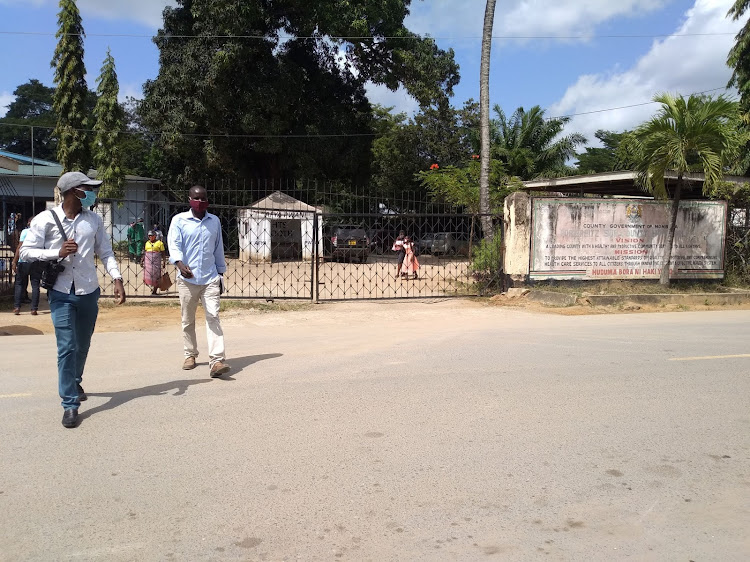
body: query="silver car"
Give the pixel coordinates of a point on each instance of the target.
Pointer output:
(445, 244)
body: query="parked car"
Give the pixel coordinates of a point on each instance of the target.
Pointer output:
(445, 243)
(350, 243)
(381, 240)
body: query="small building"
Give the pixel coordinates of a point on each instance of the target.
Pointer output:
(279, 227)
(27, 186)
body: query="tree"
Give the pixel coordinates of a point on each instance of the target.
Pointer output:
(602, 159)
(403, 148)
(686, 135)
(32, 106)
(235, 96)
(460, 187)
(739, 55)
(69, 100)
(530, 145)
(109, 117)
(484, 120)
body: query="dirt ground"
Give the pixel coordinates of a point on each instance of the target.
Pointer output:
(164, 314)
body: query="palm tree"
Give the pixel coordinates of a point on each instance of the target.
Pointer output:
(739, 55)
(698, 134)
(526, 143)
(484, 122)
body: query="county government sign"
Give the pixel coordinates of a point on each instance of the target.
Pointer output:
(625, 239)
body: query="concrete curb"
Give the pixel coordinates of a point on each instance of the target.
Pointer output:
(550, 298)
(692, 299)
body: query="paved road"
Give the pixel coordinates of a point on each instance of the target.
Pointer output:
(408, 431)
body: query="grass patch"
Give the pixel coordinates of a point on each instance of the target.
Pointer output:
(264, 306)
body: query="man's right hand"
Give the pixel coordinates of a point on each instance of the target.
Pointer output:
(68, 247)
(184, 270)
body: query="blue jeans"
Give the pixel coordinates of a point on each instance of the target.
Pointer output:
(25, 271)
(74, 318)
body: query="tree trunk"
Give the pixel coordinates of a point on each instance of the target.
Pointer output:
(484, 122)
(664, 279)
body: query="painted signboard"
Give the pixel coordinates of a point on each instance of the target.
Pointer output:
(625, 239)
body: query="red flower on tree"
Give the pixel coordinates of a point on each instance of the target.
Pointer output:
(434, 167)
(475, 156)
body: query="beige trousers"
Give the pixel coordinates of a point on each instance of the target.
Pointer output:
(208, 295)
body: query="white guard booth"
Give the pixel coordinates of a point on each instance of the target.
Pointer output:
(278, 227)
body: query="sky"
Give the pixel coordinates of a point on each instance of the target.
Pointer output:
(571, 57)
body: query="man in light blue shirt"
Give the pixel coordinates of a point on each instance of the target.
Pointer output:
(196, 247)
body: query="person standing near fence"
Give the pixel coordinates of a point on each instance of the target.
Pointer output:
(196, 247)
(154, 257)
(411, 263)
(74, 298)
(24, 271)
(398, 247)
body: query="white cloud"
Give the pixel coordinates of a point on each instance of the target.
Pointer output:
(146, 12)
(6, 98)
(130, 90)
(453, 18)
(675, 65)
(400, 100)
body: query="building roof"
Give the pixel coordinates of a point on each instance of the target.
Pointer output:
(279, 201)
(620, 183)
(17, 165)
(21, 159)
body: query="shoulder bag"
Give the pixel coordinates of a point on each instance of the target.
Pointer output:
(53, 268)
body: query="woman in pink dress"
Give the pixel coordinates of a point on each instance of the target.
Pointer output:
(411, 264)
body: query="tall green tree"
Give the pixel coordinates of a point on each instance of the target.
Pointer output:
(697, 134)
(484, 120)
(247, 87)
(403, 147)
(739, 55)
(108, 126)
(602, 159)
(32, 107)
(69, 100)
(530, 145)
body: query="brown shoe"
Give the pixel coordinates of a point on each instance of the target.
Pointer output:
(189, 363)
(34, 313)
(16, 311)
(218, 369)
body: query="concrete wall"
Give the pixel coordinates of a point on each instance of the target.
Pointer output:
(517, 225)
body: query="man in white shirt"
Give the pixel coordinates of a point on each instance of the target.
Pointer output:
(74, 298)
(196, 247)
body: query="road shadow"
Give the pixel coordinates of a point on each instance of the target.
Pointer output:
(238, 364)
(19, 330)
(124, 396)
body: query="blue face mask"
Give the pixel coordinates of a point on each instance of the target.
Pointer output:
(89, 200)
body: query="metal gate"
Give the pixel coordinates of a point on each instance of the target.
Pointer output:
(276, 250)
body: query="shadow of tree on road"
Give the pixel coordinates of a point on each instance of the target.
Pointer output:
(122, 397)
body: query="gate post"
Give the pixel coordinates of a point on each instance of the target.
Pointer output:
(314, 263)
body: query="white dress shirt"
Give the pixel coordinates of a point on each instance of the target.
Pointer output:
(44, 240)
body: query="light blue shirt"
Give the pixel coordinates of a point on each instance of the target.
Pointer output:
(199, 245)
(24, 232)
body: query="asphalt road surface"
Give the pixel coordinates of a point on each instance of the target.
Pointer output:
(396, 431)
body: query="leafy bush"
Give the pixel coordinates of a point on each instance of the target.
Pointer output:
(487, 264)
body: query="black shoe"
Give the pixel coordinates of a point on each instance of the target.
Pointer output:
(70, 418)
(81, 394)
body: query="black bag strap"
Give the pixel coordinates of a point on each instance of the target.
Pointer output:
(59, 224)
